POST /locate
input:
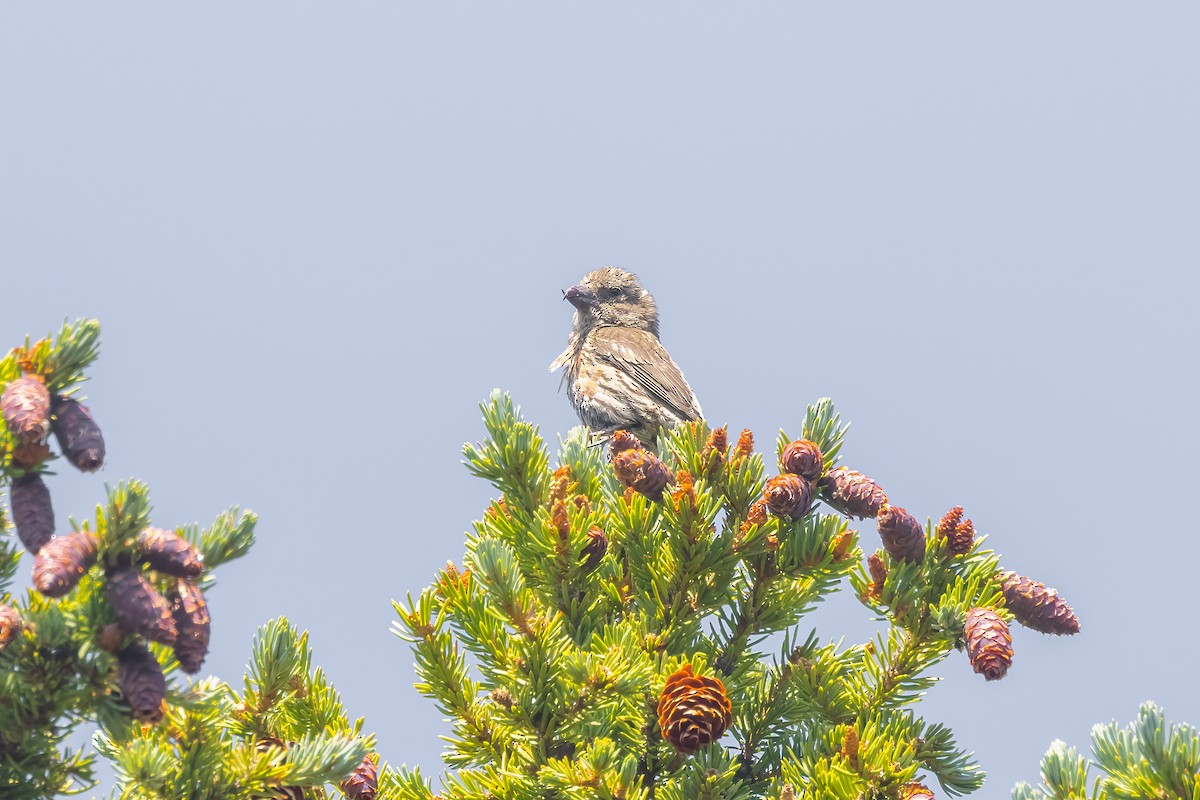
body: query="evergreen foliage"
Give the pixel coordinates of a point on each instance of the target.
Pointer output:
(550, 664)
(629, 628)
(1150, 758)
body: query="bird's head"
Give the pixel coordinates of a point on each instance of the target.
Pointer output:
(612, 297)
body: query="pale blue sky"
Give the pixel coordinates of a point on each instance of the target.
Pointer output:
(317, 234)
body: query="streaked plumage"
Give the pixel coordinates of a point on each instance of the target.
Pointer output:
(618, 374)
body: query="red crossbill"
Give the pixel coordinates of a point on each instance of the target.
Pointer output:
(618, 374)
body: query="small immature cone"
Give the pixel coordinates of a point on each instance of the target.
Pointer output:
(622, 441)
(1037, 606)
(641, 471)
(802, 458)
(852, 493)
(25, 403)
(744, 447)
(596, 547)
(715, 452)
(10, 625)
(903, 537)
(63, 561)
(878, 571)
(989, 644)
(77, 433)
(139, 607)
(788, 496)
(31, 510)
(142, 683)
(959, 532)
(193, 624)
(560, 484)
(169, 552)
(693, 711)
(362, 783)
(110, 637)
(28, 456)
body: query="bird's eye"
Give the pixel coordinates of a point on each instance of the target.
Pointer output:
(612, 291)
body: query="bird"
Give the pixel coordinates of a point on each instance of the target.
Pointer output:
(618, 374)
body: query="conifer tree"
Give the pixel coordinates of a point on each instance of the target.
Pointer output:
(605, 635)
(118, 609)
(626, 623)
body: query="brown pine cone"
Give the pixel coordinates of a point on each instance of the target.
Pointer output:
(641, 471)
(10, 625)
(193, 624)
(63, 561)
(903, 537)
(170, 553)
(31, 510)
(989, 644)
(139, 607)
(959, 532)
(852, 493)
(693, 711)
(28, 456)
(788, 496)
(77, 433)
(141, 680)
(110, 637)
(362, 783)
(25, 404)
(802, 458)
(1037, 606)
(596, 547)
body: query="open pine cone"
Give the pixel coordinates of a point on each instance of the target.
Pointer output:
(693, 711)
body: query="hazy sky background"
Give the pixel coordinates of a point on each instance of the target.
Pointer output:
(316, 235)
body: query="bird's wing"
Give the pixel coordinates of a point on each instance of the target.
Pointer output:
(639, 354)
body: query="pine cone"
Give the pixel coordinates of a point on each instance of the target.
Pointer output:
(169, 552)
(31, 510)
(714, 453)
(28, 456)
(142, 683)
(361, 785)
(622, 441)
(110, 637)
(852, 493)
(596, 547)
(641, 471)
(693, 711)
(190, 612)
(903, 537)
(25, 404)
(77, 433)
(1037, 606)
(959, 532)
(10, 625)
(744, 447)
(139, 607)
(63, 561)
(989, 644)
(788, 496)
(915, 791)
(802, 458)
